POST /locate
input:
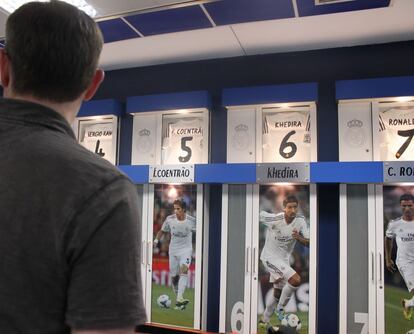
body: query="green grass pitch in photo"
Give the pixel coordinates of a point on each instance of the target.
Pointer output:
(170, 316)
(303, 316)
(395, 323)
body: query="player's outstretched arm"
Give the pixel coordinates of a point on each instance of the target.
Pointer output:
(158, 237)
(299, 237)
(388, 243)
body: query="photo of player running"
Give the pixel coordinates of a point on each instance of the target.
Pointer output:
(399, 258)
(284, 225)
(180, 226)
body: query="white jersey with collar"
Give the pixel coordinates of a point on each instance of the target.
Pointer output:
(403, 233)
(279, 242)
(181, 233)
(98, 139)
(286, 137)
(183, 143)
(396, 125)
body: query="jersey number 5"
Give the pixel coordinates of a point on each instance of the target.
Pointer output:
(186, 149)
(288, 145)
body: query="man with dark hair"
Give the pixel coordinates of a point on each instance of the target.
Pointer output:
(69, 223)
(283, 230)
(181, 226)
(402, 230)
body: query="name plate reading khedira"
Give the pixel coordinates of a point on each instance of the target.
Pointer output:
(171, 174)
(283, 172)
(398, 171)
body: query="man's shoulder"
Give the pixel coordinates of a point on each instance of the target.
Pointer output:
(395, 221)
(76, 166)
(170, 218)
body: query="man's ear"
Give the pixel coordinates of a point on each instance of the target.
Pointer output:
(4, 68)
(97, 79)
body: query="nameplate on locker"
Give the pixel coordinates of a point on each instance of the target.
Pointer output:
(171, 174)
(398, 171)
(283, 172)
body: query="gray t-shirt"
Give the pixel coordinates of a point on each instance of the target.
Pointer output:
(69, 230)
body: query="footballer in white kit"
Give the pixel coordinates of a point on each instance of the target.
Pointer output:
(286, 137)
(396, 130)
(183, 143)
(180, 226)
(283, 230)
(402, 231)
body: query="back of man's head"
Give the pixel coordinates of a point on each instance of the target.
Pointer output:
(54, 50)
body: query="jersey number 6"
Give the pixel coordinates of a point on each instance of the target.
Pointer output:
(285, 144)
(186, 149)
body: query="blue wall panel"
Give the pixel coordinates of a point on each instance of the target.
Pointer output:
(303, 92)
(184, 100)
(375, 88)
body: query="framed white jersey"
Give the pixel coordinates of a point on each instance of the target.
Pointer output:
(286, 135)
(396, 132)
(99, 137)
(183, 140)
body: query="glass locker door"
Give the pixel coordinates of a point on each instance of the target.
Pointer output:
(236, 265)
(358, 256)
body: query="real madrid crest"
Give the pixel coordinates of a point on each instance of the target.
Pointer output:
(241, 137)
(355, 134)
(144, 143)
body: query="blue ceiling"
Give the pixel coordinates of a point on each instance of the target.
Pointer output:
(222, 12)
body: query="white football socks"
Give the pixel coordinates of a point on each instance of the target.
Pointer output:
(270, 308)
(182, 284)
(410, 302)
(287, 292)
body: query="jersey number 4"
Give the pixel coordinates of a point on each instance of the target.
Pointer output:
(186, 149)
(287, 148)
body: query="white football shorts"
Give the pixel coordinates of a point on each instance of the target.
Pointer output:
(280, 272)
(177, 260)
(407, 273)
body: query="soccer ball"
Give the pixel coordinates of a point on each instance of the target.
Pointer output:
(292, 320)
(411, 331)
(164, 301)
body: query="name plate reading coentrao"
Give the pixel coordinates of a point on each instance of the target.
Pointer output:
(283, 172)
(171, 174)
(398, 171)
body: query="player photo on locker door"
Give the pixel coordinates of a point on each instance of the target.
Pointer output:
(283, 292)
(173, 263)
(399, 258)
(183, 139)
(286, 135)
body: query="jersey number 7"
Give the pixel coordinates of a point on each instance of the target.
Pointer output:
(404, 133)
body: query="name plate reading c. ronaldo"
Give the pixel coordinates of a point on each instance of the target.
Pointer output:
(398, 171)
(171, 174)
(283, 172)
